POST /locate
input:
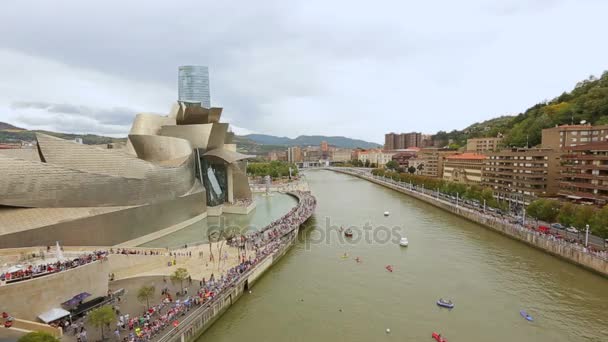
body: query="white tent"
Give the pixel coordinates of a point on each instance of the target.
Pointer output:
(15, 268)
(53, 315)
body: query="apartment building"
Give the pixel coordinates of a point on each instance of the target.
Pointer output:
(522, 174)
(463, 168)
(565, 136)
(584, 173)
(481, 145)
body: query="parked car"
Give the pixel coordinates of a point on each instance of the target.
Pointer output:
(572, 230)
(557, 226)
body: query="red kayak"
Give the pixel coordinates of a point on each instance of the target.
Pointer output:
(438, 337)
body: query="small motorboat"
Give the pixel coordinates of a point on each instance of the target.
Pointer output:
(438, 337)
(348, 233)
(403, 242)
(525, 315)
(446, 303)
(386, 213)
(389, 268)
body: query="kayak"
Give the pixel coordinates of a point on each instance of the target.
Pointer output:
(525, 315)
(438, 337)
(389, 268)
(445, 303)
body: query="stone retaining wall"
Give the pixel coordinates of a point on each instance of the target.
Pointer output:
(562, 250)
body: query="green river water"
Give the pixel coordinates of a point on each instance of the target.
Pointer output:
(314, 294)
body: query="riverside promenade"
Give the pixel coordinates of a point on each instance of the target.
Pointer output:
(573, 253)
(273, 241)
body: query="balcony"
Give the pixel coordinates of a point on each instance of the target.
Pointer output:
(583, 176)
(588, 167)
(581, 194)
(525, 180)
(585, 157)
(584, 185)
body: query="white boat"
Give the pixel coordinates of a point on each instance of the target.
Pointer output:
(403, 242)
(386, 213)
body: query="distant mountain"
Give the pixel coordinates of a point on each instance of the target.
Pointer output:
(4, 126)
(10, 133)
(306, 140)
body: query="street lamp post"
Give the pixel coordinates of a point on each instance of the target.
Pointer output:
(484, 206)
(456, 199)
(586, 235)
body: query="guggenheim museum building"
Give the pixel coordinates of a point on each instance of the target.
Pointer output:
(174, 169)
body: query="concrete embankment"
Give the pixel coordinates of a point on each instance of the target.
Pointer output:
(195, 324)
(564, 250)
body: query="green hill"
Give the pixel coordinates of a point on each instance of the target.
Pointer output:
(587, 101)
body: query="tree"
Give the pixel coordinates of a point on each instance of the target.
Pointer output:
(544, 209)
(566, 214)
(100, 317)
(145, 293)
(180, 275)
(392, 165)
(367, 163)
(411, 169)
(38, 336)
(583, 216)
(420, 167)
(600, 222)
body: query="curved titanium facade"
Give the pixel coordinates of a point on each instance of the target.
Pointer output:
(171, 168)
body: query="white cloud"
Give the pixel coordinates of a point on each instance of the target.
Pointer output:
(354, 68)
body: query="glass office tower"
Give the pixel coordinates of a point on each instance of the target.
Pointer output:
(193, 84)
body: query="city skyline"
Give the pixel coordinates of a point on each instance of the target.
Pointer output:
(451, 73)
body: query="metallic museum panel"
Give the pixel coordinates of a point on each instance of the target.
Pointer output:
(111, 228)
(35, 184)
(155, 148)
(240, 183)
(195, 114)
(226, 155)
(203, 136)
(150, 124)
(75, 156)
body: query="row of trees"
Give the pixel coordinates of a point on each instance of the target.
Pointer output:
(464, 191)
(274, 169)
(570, 214)
(359, 163)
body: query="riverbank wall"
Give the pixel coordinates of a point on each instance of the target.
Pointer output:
(557, 248)
(199, 321)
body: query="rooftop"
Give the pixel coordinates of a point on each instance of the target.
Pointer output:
(467, 156)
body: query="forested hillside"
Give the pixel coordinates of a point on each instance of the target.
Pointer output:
(587, 101)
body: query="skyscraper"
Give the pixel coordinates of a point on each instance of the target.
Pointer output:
(193, 84)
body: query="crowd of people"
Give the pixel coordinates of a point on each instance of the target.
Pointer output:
(38, 270)
(279, 227)
(126, 251)
(167, 313)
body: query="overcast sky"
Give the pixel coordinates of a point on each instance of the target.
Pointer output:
(291, 67)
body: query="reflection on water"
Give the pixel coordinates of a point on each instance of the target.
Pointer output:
(268, 209)
(314, 294)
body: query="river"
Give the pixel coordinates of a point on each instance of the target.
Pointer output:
(314, 294)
